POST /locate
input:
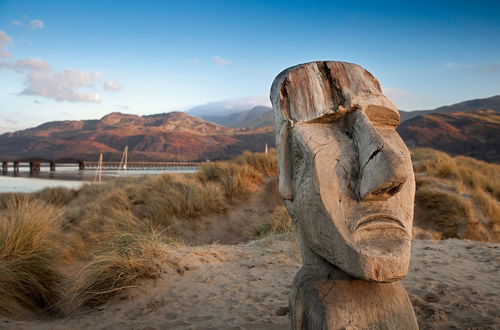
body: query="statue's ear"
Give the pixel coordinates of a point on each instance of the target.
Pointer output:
(284, 163)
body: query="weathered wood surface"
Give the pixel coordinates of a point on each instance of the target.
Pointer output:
(345, 174)
(357, 304)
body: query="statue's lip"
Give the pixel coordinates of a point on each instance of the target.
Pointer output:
(379, 220)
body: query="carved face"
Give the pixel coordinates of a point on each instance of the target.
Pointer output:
(353, 192)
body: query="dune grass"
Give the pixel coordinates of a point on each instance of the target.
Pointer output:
(181, 196)
(56, 195)
(29, 250)
(280, 223)
(126, 259)
(469, 184)
(116, 228)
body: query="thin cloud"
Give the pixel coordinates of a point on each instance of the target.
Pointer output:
(111, 85)
(219, 61)
(11, 121)
(123, 107)
(483, 68)
(36, 24)
(32, 64)
(225, 107)
(25, 42)
(395, 94)
(26, 64)
(4, 39)
(64, 85)
(490, 68)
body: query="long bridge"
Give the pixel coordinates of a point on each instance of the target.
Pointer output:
(142, 166)
(35, 165)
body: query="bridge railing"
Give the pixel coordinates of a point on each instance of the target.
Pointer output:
(82, 165)
(143, 165)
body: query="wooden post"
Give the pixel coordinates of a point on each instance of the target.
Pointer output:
(5, 166)
(52, 166)
(99, 167)
(16, 167)
(81, 166)
(34, 166)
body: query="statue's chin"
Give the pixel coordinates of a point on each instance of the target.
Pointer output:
(377, 257)
(382, 246)
(383, 260)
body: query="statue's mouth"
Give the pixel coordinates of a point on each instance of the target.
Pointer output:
(378, 221)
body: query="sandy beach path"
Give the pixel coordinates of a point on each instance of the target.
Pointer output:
(453, 284)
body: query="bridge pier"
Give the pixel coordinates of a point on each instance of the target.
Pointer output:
(34, 166)
(5, 166)
(16, 167)
(81, 166)
(52, 166)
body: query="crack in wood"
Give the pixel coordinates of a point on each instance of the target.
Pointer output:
(375, 153)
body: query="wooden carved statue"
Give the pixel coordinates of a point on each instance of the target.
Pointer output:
(347, 180)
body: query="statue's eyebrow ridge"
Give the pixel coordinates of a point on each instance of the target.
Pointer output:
(327, 118)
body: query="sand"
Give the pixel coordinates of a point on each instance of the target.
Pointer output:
(453, 284)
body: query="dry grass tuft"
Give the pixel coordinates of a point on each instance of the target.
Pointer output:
(238, 181)
(280, 223)
(448, 213)
(265, 164)
(471, 184)
(29, 250)
(57, 195)
(127, 259)
(181, 196)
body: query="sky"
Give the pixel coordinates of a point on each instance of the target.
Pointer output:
(82, 59)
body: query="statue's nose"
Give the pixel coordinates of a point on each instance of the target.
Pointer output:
(381, 168)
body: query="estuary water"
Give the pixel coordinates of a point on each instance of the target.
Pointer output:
(65, 175)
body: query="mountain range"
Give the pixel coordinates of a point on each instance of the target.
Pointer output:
(468, 128)
(490, 103)
(166, 137)
(473, 133)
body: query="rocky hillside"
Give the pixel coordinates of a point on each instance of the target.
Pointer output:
(490, 103)
(170, 136)
(474, 134)
(458, 129)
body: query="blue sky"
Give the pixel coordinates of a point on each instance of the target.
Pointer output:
(83, 59)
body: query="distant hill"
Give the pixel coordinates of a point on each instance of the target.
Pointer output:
(259, 116)
(179, 136)
(227, 107)
(490, 103)
(474, 133)
(170, 136)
